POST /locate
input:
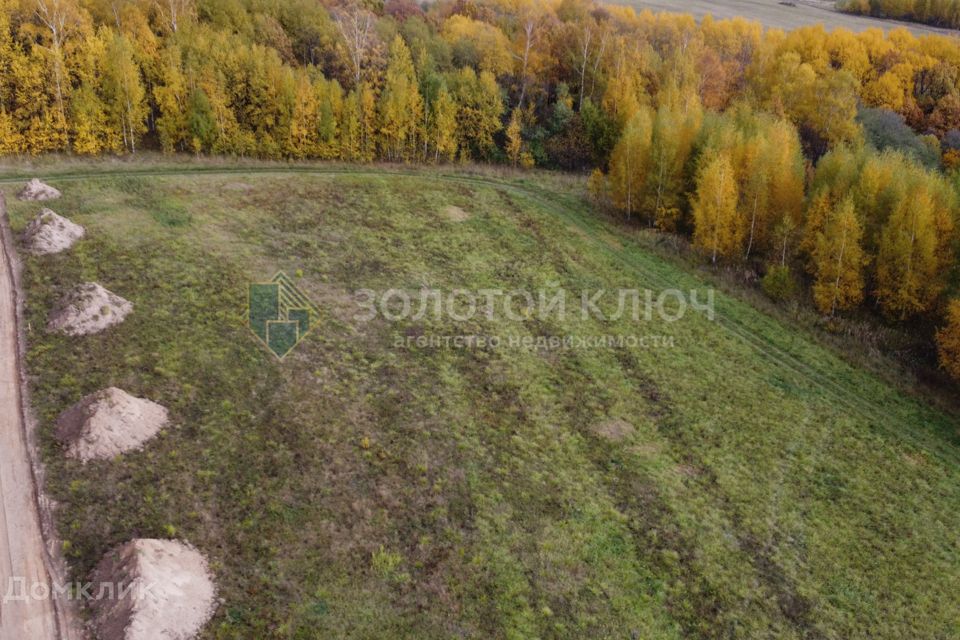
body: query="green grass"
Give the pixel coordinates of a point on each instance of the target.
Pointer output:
(363, 490)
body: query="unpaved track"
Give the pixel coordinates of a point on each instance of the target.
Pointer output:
(23, 558)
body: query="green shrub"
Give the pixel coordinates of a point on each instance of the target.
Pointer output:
(779, 284)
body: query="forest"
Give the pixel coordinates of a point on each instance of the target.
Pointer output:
(940, 13)
(827, 161)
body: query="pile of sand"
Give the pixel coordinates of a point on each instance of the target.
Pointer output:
(616, 430)
(171, 597)
(50, 233)
(456, 214)
(109, 422)
(36, 190)
(89, 308)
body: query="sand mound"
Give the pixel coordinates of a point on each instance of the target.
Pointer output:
(169, 592)
(616, 430)
(89, 308)
(50, 233)
(456, 214)
(36, 190)
(108, 423)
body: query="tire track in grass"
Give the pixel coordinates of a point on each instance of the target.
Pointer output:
(694, 596)
(838, 390)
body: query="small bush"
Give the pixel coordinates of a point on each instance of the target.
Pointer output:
(598, 188)
(779, 284)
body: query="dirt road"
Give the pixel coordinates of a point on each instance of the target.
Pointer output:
(27, 612)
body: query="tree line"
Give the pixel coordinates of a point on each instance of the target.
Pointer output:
(860, 224)
(546, 82)
(826, 159)
(939, 13)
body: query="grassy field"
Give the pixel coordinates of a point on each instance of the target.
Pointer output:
(772, 13)
(363, 490)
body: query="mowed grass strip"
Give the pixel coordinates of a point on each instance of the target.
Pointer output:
(364, 490)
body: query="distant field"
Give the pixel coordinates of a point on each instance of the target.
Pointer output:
(773, 14)
(761, 488)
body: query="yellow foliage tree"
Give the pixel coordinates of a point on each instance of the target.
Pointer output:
(716, 228)
(479, 106)
(838, 261)
(784, 158)
(886, 92)
(491, 46)
(630, 163)
(401, 105)
(624, 94)
(909, 269)
(675, 129)
(125, 96)
(305, 122)
(514, 139)
(444, 126)
(88, 117)
(170, 96)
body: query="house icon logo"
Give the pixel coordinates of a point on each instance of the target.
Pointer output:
(279, 314)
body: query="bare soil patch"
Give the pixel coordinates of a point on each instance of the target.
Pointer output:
(51, 233)
(616, 430)
(688, 470)
(88, 309)
(456, 214)
(237, 186)
(169, 592)
(108, 423)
